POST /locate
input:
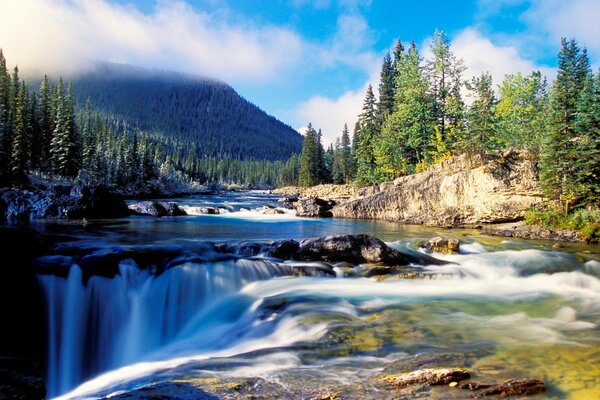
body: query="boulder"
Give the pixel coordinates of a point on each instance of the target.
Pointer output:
(210, 210)
(272, 211)
(284, 249)
(157, 209)
(357, 249)
(429, 376)
(314, 207)
(152, 208)
(440, 244)
(172, 209)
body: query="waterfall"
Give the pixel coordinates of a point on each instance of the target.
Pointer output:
(111, 322)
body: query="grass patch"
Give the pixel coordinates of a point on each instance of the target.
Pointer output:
(587, 222)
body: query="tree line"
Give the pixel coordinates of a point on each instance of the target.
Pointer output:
(421, 118)
(43, 132)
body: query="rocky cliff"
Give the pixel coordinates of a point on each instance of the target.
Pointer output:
(460, 190)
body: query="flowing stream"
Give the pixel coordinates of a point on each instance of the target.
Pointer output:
(500, 308)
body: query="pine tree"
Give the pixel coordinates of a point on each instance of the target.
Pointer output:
(61, 146)
(309, 163)
(21, 148)
(367, 137)
(5, 139)
(560, 163)
(406, 136)
(323, 166)
(345, 156)
(586, 175)
(398, 56)
(386, 90)
(445, 77)
(481, 135)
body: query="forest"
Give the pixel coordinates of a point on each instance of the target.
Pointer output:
(427, 112)
(135, 137)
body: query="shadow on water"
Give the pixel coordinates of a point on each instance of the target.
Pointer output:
(168, 390)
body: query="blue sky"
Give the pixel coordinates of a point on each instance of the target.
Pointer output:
(300, 60)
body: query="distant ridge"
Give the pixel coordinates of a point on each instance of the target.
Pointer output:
(187, 110)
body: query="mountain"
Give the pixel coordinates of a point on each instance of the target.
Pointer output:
(187, 110)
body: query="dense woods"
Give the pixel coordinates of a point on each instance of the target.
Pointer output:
(427, 111)
(56, 132)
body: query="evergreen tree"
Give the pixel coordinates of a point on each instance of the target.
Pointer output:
(398, 55)
(5, 139)
(61, 150)
(560, 162)
(323, 166)
(309, 163)
(345, 151)
(46, 122)
(386, 89)
(445, 77)
(367, 137)
(406, 136)
(21, 148)
(481, 135)
(586, 175)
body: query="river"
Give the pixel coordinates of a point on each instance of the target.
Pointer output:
(501, 308)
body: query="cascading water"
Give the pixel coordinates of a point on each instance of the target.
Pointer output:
(111, 322)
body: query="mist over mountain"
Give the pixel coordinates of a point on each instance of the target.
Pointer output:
(188, 110)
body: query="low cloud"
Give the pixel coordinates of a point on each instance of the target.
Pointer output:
(61, 35)
(330, 114)
(481, 55)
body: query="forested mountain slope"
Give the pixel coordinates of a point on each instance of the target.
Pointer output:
(187, 110)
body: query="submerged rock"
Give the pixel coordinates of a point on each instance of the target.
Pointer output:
(440, 244)
(314, 207)
(513, 387)
(428, 376)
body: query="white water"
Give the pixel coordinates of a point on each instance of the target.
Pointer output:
(109, 323)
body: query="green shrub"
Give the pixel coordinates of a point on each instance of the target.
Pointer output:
(587, 222)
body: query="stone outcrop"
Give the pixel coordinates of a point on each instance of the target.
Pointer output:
(460, 190)
(314, 207)
(75, 202)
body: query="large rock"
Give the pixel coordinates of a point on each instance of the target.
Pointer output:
(157, 209)
(314, 207)
(460, 190)
(64, 202)
(440, 244)
(356, 249)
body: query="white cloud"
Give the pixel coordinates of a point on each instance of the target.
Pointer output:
(481, 55)
(573, 18)
(59, 35)
(330, 115)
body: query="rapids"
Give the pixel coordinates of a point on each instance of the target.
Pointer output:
(517, 308)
